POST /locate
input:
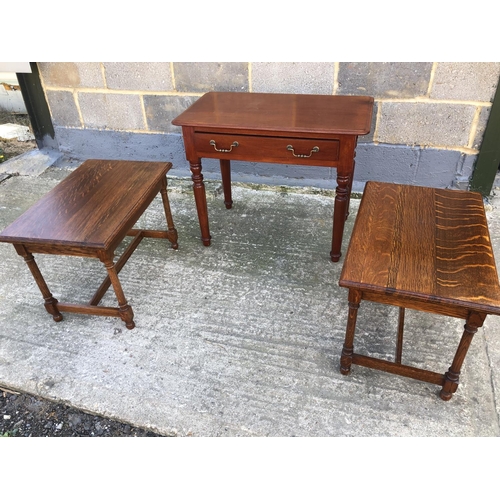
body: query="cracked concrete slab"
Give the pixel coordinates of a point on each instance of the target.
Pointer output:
(31, 163)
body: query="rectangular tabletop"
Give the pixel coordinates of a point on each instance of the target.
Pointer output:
(91, 207)
(423, 243)
(280, 113)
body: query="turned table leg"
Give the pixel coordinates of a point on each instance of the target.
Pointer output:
(347, 350)
(349, 186)
(474, 321)
(200, 198)
(225, 170)
(50, 302)
(126, 312)
(340, 214)
(168, 213)
(399, 343)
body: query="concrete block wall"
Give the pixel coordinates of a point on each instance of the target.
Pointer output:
(427, 126)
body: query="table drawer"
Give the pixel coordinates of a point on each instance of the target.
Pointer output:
(318, 152)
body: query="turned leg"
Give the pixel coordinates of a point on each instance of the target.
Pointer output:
(474, 321)
(339, 214)
(50, 302)
(200, 198)
(168, 213)
(225, 170)
(347, 350)
(401, 326)
(126, 313)
(349, 186)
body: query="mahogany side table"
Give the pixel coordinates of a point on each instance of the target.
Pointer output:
(297, 129)
(425, 249)
(88, 214)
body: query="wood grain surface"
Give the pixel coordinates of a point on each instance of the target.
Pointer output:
(424, 243)
(282, 113)
(92, 207)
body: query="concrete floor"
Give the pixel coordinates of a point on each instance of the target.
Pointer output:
(241, 338)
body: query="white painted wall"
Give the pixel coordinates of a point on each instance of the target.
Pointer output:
(11, 99)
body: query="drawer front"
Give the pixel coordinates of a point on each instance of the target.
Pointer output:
(317, 152)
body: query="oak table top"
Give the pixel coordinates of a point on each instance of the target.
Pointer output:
(91, 208)
(423, 243)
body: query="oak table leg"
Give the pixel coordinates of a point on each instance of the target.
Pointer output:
(225, 170)
(200, 199)
(399, 343)
(126, 313)
(168, 213)
(50, 302)
(340, 214)
(349, 187)
(347, 350)
(474, 321)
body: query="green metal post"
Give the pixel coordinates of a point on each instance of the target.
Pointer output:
(488, 160)
(36, 105)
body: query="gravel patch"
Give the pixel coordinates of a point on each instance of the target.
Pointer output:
(24, 415)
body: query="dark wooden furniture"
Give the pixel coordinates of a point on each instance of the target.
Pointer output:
(314, 130)
(88, 214)
(425, 249)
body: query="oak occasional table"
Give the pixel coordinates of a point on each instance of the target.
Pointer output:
(314, 130)
(88, 214)
(425, 249)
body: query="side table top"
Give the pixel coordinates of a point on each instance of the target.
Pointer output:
(426, 243)
(91, 206)
(294, 113)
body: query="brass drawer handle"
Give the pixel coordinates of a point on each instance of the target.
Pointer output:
(234, 144)
(315, 149)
